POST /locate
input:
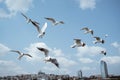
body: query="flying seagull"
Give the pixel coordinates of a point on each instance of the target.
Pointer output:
(46, 51)
(87, 30)
(52, 60)
(54, 22)
(20, 54)
(103, 52)
(36, 24)
(98, 40)
(78, 43)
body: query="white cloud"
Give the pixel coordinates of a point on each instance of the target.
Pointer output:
(116, 44)
(57, 52)
(13, 7)
(89, 50)
(87, 4)
(18, 5)
(112, 59)
(3, 49)
(9, 68)
(64, 62)
(86, 60)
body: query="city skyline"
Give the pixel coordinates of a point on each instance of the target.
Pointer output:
(101, 16)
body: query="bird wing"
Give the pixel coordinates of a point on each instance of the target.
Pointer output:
(43, 50)
(44, 27)
(27, 55)
(36, 22)
(61, 22)
(85, 28)
(16, 51)
(51, 19)
(54, 61)
(78, 41)
(97, 38)
(36, 25)
(24, 16)
(91, 32)
(20, 57)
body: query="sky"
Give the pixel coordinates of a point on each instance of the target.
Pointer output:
(102, 16)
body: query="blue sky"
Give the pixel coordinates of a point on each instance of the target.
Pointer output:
(102, 16)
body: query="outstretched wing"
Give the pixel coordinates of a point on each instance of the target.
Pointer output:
(36, 25)
(44, 27)
(78, 41)
(55, 62)
(27, 55)
(43, 50)
(51, 19)
(24, 16)
(61, 22)
(85, 28)
(97, 38)
(16, 51)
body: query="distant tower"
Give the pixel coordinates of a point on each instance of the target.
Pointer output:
(80, 74)
(104, 71)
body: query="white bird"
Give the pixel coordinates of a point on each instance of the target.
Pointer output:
(54, 22)
(21, 54)
(52, 60)
(103, 52)
(87, 30)
(36, 24)
(78, 43)
(42, 30)
(98, 40)
(46, 51)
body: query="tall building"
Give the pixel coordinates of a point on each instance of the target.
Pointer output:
(104, 71)
(80, 74)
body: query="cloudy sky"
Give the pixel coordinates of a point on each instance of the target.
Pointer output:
(102, 16)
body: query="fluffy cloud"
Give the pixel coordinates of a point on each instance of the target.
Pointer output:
(112, 59)
(3, 49)
(116, 45)
(87, 4)
(13, 7)
(89, 50)
(9, 68)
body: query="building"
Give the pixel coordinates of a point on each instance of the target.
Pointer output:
(104, 71)
(80, 74)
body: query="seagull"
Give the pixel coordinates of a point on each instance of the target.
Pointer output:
(87, 30)
(46, 51)
(103, 52)
(21, 54)
(78, 43)
(98, 40)
(36, 24)
(52, 60)
(54, 22)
